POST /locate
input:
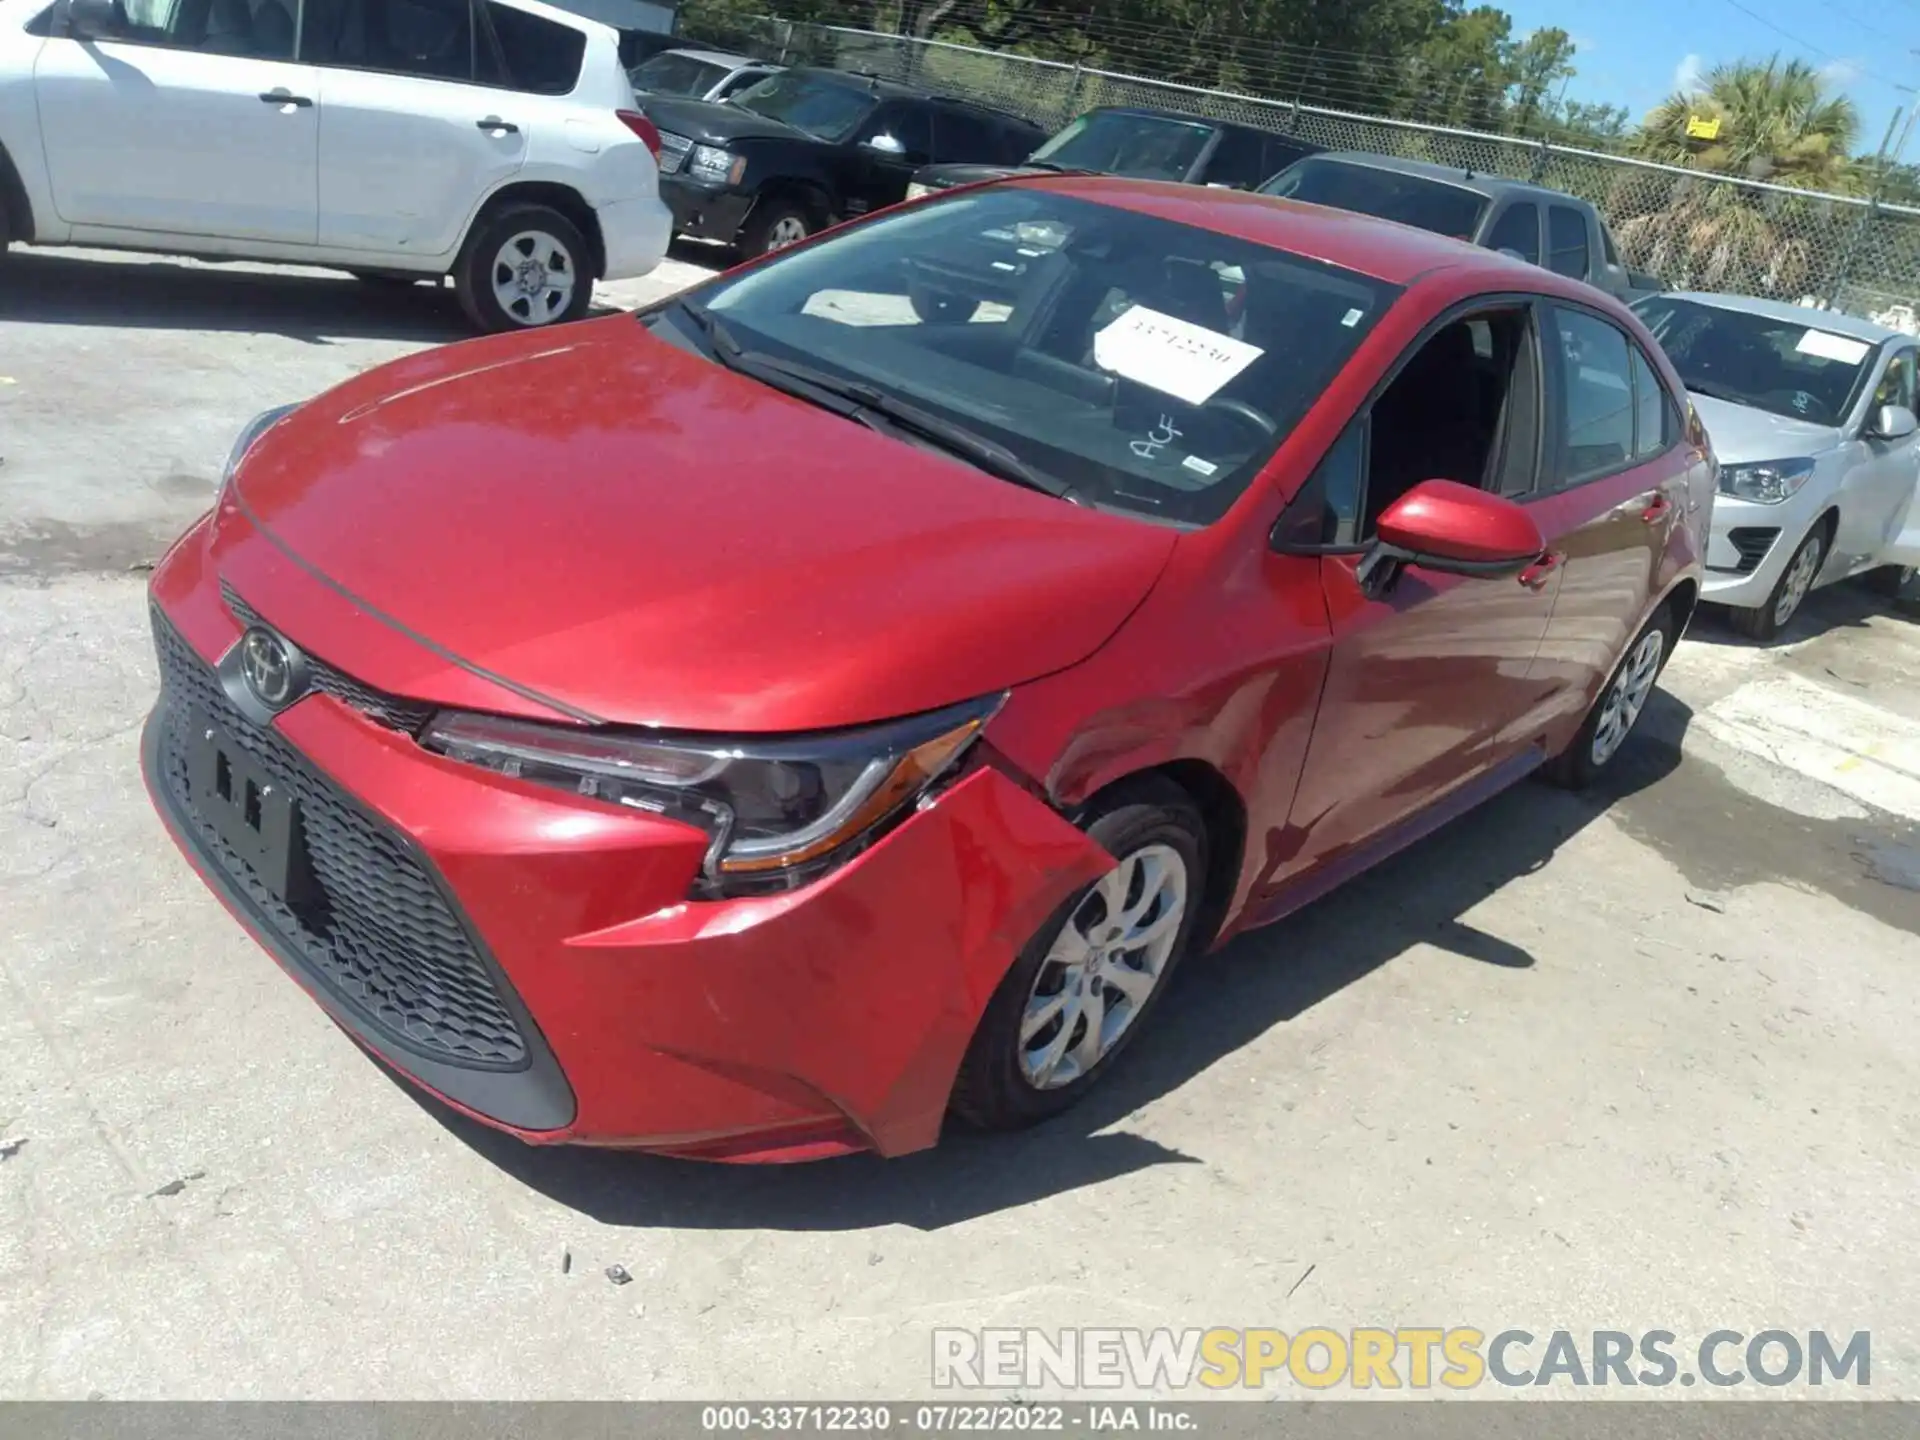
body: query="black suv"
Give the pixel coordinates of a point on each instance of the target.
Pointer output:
(1144, 144)
(809, 147)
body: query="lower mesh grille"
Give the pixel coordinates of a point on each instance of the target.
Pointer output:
(369, 924)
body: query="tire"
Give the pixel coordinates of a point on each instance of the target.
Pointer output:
(1601, 738)
(1766, 622)
(774, 224)
(494, 296)
(938, 307)
(1161, 839)
(1889, 580)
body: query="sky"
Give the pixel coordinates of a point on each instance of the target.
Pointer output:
(1634, 52)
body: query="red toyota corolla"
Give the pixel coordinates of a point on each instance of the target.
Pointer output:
(837, 698)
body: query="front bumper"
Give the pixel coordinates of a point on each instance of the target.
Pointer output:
(702, 211)
(1750, 544)
(829, 1019)
(635, 235)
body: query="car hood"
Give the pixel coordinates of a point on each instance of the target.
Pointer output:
(714, 123)
(612, 523)
(1741, 433)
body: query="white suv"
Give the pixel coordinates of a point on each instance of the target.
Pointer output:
(493, 140)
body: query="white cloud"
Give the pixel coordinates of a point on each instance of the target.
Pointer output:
(1688, 74)
(1841, 73)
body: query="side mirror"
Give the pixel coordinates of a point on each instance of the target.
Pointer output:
(94, 19)
(884, 145)
(1453, 529)
(1892, 422)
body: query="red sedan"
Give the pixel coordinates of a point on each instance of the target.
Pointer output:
(763, 726)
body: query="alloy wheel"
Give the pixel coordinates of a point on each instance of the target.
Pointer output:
(787, 230)
(1103, 967)
(533, 277)
(1801, 571)
(1627, 696)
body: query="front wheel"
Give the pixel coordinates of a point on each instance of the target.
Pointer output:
(524, 268)
(1789, 591)
(774, 225)
(1617, 708)
(1085, 984)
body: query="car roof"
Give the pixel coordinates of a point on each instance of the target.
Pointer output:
(714, 57)
(899, 90)
(1830, 320)
(1475, 180)
(1382, 249)
(1153, 112)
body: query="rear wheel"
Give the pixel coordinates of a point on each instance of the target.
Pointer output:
(1086, 983)
(1618, 707)
(1789, 591)
(523, 268)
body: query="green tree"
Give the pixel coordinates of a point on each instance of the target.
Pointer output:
(1534, 66)
(1777, 122)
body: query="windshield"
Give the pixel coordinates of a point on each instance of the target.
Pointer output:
(672, 73)
(1785, 367)
(1143, 147)
(825, 108)
(1148, 366)
(1389, 194)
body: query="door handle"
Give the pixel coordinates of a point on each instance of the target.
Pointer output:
(1657, 508)
(285, 97)
(495, 123)
(1536, 575)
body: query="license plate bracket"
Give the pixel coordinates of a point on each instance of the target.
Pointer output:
(254, 812)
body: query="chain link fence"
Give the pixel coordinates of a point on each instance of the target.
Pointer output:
(1695, 231)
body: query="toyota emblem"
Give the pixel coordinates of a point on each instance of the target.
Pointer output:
(267, 665)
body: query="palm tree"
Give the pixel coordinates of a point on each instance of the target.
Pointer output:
(1777, 122)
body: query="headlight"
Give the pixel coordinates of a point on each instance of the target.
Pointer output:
(1767, 481)
(915, 190)
(777, 812)
(715, 165)
(250, 434)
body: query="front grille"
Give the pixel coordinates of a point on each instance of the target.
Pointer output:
(1752, 543)
(673, 152)
(393, 711)
(368, 923)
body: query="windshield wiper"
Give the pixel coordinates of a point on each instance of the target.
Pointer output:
(870, 406)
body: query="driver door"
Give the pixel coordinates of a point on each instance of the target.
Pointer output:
(1428, 699)
(896, 140)
(1878, 490)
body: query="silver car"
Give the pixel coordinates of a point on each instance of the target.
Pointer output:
(699, 74)
(1812, 418)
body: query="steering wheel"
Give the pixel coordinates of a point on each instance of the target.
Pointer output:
(1241, 410)
(1803, 403)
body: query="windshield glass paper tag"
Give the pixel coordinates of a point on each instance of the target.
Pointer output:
(1181, 359)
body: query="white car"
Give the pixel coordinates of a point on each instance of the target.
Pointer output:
(1812, 419)
(496, 141)
(716, 75)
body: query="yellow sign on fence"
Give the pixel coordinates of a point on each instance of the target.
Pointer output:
(1701, 127)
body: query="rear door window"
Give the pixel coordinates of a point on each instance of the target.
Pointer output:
(1518, 230)
(1567, 241)
(537, 55)
(428, 39)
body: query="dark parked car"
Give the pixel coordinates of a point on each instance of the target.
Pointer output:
(1529, 222)
(807, 148)
(1143, 145)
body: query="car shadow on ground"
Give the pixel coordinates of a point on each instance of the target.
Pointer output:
(318, 307)
(1217, 1004)
(1846, 605)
